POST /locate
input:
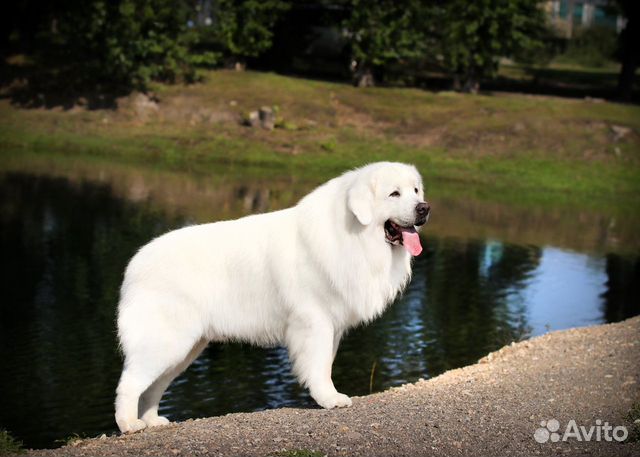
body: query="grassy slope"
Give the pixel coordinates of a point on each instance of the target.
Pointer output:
(514, 147)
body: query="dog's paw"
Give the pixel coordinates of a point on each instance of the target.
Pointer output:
(156, 421)
(132, 426)
(336, 400)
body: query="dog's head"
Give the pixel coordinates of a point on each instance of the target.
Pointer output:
(391, 195)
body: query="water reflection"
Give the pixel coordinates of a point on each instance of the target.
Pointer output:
(463, 302)
(65, 244)
(568, 289)
(63, 249)
(622, 289)
(224, 193)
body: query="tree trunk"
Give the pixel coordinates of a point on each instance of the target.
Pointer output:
(457, 84)
(471, 83)
(570, 10)
(363, 76)
(630, 53)
(235, 63)
(627, 77)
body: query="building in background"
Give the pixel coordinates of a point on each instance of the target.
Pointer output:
(569, 15)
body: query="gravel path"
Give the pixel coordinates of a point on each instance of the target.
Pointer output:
(491, 408)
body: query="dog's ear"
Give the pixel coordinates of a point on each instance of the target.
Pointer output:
(360, 202)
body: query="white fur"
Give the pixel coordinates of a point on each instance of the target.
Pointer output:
(298, 277)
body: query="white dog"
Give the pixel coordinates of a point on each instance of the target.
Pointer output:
(299, 277)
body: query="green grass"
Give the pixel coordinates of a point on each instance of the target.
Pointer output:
(299, 453)
(9, 445)
(562, 77)
(70, 440)
(513, 147)
(633, 417)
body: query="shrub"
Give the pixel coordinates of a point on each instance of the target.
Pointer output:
(593, 47)
(476, 34)
(132, 42)
(8, 444)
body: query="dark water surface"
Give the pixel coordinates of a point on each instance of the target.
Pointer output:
(488, 276)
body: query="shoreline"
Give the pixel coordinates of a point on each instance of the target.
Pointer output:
(493, 407)
(522, 148)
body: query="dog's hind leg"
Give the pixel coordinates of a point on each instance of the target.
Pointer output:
(150, 399)
(146, 362)
(132, 383)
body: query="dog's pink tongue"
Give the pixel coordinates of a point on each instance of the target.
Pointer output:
(411, 242)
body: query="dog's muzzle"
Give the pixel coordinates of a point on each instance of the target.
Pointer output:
(423, 210)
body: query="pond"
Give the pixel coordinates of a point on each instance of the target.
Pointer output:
(490, 275)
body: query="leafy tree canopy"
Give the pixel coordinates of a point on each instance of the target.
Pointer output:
(381, 33)
(474, 35)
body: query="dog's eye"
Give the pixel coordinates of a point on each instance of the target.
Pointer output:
(395, 193)
(415, 189)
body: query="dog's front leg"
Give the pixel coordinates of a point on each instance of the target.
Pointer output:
(310, 341)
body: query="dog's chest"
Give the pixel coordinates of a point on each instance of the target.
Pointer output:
(377, 286)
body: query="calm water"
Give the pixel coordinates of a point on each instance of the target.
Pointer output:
(65, 239)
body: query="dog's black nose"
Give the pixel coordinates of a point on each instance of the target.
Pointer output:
(423, 209)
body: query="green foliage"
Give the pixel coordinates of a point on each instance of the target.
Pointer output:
(244, 28)
(129, 43)
(384, 32)
(299, 453)
(8, 444)
(125, 43)
(251, 31)
(329, 145)
(70, 440)
(633, 417)
(592, 47)
(151, 40)
(467, 38)
(476, 34)
(543, 50)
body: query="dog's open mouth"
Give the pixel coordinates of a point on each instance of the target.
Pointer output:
(405, 236)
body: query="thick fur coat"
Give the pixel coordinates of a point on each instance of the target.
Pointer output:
(299, 277)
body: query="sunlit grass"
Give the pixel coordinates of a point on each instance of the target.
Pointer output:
(507, 146)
